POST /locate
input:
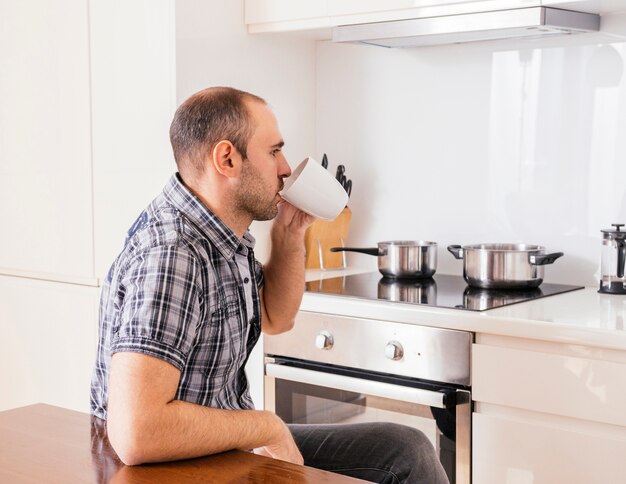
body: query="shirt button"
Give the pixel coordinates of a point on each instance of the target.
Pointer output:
(246, 280)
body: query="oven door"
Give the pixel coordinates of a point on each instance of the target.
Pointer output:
(310, 393)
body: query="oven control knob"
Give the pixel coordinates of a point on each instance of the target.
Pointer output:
(324, 340)
(394, 351)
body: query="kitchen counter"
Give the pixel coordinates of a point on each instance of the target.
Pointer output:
(579, 317)
(43, 443)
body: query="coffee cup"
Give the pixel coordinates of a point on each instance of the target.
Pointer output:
(314, 190)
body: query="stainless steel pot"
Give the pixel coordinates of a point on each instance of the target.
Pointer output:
(404, 259)
(503, 266)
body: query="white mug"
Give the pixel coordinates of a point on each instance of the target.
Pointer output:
(314, 190)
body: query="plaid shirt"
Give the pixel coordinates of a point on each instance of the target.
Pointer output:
(176, 293)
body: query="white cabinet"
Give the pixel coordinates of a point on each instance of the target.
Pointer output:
(45, 145)
(87, 93)
(573, 386)
(285, 15)
(319, 16)
(513, 449)
(346, 12)
(546, 412)
(48, 345)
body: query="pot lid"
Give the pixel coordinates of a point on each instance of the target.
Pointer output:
(615, 233)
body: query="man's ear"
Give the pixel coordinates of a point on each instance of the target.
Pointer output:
(226, 159)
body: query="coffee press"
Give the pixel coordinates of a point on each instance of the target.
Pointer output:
(612, 279)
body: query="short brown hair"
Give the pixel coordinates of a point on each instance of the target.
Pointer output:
(205, 119)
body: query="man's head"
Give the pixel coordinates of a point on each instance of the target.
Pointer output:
(207, 117)
(228, 145)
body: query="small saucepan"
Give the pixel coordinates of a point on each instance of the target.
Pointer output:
(403, 259)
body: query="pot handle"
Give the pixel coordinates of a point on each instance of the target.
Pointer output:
(543, 259)
(368, 251)
(456, 251)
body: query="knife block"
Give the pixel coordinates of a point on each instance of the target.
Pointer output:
(321, 236)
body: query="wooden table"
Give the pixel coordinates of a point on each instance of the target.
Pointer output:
(41, 443)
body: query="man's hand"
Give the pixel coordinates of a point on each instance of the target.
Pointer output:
(291, 218)
(283, 447)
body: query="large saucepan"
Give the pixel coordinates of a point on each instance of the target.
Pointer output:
(404, 259)
(503, 266)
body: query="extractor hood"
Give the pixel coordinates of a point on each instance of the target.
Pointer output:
(470, 27)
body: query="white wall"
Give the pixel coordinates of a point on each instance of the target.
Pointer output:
(518, 141)
(214, 49)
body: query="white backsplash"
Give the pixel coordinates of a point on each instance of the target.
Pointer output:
(515, 141)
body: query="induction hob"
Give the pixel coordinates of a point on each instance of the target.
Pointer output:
(442, 291)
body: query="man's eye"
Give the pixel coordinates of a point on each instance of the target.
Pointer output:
(275, 151)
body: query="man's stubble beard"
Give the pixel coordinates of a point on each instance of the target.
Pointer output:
(254, 197)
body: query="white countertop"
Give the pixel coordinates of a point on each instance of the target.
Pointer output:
(582, 317)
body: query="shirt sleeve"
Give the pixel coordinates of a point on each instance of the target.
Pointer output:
(159, 305)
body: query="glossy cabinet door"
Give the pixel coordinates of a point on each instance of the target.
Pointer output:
(87, 93)
(510, 450)
(46, 206)
(588, 388)
(48, 344)
(411, 8)
(547, 412)
(286, 15)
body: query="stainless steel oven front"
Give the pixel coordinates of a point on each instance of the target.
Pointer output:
(335, 369)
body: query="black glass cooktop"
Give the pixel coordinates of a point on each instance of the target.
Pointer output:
(442, 290)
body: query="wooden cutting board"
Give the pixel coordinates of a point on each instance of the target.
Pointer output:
(321, 236)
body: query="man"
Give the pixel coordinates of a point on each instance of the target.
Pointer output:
(184, 303)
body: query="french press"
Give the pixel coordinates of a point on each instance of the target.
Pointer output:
(612, 280)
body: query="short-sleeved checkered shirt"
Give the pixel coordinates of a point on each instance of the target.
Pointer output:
(176, 293)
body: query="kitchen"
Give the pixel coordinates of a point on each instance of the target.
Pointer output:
(514, 140)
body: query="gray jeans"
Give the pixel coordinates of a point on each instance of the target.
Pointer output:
(377, 452)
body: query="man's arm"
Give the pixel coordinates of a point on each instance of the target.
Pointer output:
(146, 424)
(284, 273)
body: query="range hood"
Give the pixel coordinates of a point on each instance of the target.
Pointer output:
(471, 27)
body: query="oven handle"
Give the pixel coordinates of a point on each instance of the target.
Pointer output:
(340, 382)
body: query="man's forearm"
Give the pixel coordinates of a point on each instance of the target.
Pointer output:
(182, 430)
(284, 281)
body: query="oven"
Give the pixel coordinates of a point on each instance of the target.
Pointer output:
(336, 369)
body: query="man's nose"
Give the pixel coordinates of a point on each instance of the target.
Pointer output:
(285, 169)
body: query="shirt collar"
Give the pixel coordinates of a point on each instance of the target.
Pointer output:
(220, 235)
